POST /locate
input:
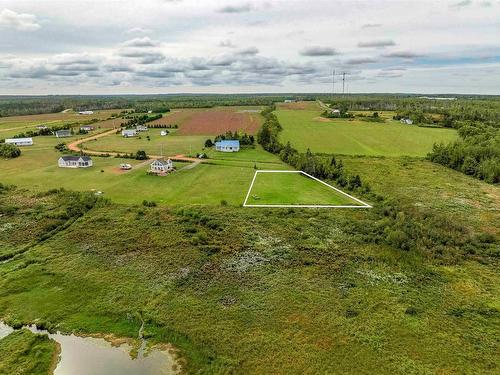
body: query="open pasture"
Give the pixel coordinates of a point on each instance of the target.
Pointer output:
(306, 129)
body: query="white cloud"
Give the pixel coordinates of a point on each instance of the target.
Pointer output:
(18, 21)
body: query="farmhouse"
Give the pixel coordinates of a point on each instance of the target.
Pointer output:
(87, 128)
(227, 146)
(20, 141)
(406, 121)
(141, 128)
(129, 133)
(161, 166)
(63, 133)
(75, 162)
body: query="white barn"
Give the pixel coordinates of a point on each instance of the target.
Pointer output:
(20, 141)
(161, 166)
(227, 146)
(129, 133)
(75, 161)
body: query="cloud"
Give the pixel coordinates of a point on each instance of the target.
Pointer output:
(141, 42)
(226, 44)
(360, 60)
(461, 4)
(377, 43)
(18, 21)
(250, 51)
(370, 25)
(315, 51)
(402, 54)
(139, 30)
(242, 8)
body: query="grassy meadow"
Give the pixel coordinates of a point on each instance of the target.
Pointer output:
(307, 129)
(26, 353)
(245, 290)
(294, 189)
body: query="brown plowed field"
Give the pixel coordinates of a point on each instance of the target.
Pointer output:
(219, 122)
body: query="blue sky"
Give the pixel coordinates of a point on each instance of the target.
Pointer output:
(169, 46)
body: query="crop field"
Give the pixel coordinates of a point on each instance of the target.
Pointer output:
(301, 106)
(293, 189)
(306, 129)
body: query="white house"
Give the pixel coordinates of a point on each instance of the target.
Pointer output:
(129, 133)
(289, 101)
(227, 146)
(406, 121)
(161, 166)
(63, 133)
(336, 112)
(75, 162)
(20, 141)
(86, 112)
(141, 128)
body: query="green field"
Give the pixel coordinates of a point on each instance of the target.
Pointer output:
(207, 183)
(275, 188)
(170, 144)
(306, 129)
(26, 353)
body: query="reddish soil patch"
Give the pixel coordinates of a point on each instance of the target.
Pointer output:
(219, 122)
(299, 105)
(176, 117)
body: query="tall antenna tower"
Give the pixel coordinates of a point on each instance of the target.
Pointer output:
(333, 82)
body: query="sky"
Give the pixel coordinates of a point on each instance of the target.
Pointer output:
(233, 46)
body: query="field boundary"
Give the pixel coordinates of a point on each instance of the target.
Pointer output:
(245, 204)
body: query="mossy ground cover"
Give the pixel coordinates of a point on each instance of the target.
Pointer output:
(26, 353)
(306, 129)
(259, 291)
(285, 188)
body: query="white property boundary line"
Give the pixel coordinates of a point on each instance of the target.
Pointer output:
(363, 204)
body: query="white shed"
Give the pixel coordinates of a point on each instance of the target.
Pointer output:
(20, 141)
(129, 133)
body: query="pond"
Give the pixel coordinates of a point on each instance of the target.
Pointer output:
(96, 356)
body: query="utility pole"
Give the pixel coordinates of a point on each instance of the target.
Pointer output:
(333, 83)
(343, 83)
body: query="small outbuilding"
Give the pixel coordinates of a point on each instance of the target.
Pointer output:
(87, 128)
(75, 161)
(41, 127)
(161, 166)
(406, 121)
(141, 128)
(63, 133)
(163, 132)
(129, 133)
(20, 141)
(86, 112)
(125, 167)
(227, 146)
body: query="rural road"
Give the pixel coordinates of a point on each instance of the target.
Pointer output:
(75, 146)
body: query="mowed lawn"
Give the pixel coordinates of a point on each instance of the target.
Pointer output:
(226, 179)
(285, 188)
(306, 129)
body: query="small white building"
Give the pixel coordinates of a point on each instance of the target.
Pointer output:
(63, 133)
(75, 161)
(41, 127)
(406, 121)
(87, 128)
(125, 167)
(336, 112)
(289, 101)
(141, 128)
(227, 146)
(86, 112)
(163, 132)
(20, 141)
(161, 166)
(129, 133)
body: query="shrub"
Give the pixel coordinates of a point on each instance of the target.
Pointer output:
(9, 151)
